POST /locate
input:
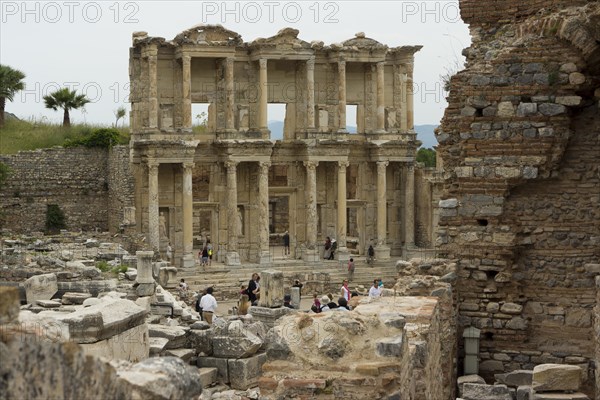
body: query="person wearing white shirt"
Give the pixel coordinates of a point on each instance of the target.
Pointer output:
(209, 305)
(375, 291)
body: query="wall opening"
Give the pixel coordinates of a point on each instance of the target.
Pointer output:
(200, 117)
(276, 120)
(351, 118)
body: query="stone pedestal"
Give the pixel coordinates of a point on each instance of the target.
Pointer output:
(144, 278)
(343, 255)
(310, 256)
(264, 258)
(271, 289)
(268, 316)
(295, 294)
(382, 253)
(188, 261)
(232, 258)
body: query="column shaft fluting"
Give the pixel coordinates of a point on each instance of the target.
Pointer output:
(262, 105)
(153, 90)
(187, 200)
(310, 93)
(403, 99)
(381, 203)
(341, 200)
(186, 94)
(232, 212)
(342, 94)
(311, 204)
(153, 217)
(263, 206)
(409, 220)
(409, 99)
(230, 93)
(380, 97)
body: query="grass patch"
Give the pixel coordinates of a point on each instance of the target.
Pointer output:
(30, 135)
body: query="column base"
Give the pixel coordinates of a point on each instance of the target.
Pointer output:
(232, 258)
(310, 255)
(343, 255)
(188, 261)
(264, 258)
(382, 252)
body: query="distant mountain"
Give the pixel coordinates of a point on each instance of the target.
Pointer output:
(424, 133)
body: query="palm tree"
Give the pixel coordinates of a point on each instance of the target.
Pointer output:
(120, 113)
(11, 81)
(65, 99)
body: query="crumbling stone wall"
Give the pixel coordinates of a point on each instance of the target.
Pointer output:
(519, 142)
(91, 186)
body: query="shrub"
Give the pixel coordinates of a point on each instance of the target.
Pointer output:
(55, 218)
(103, 266)
(426, 156)
(103, 137)
(4, 172)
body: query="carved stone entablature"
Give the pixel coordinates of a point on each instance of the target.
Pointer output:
(286, 39)
(210, 35)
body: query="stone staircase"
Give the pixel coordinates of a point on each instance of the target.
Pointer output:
(322, 277)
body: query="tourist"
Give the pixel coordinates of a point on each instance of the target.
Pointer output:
(299, 286)
(286, 243)
(208, 304)
(183, 288)
(209, 247)
(350, 269)
(342, 305)
(204, 259)
(345, 290)
(327, 252)
(370, 255)
(254, 289)
(380, 283)
(243, 305)
(325, 303)
(169, 252)
(287, 299)
(375, 291)
(316, 307)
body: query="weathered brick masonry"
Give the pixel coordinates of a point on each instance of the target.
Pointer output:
(520, 145)
(91, 186)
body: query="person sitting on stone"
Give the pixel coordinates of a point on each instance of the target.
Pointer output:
(299, 286)
(342, 305)
(325, 303)
(183, 288)
(375, 290)
(254, 289)
(243, 305)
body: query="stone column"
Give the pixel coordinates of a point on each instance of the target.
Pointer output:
(144, 277)
(153, 88)
(186, 64)
(271, 288)
(403, 97)
(153, 217)
(342, 222)
(262, 105)
(310, 93)
(342, 95)
(311, 253)
(409, 98)
(409, 208)
(263, 213)
(188, 257)
(382, 251)
(380, 97)
(232, 257)
(229, 87)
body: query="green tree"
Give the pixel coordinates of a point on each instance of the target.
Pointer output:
(426, 156)
(120, 113)
(11, 81)
(67, 100)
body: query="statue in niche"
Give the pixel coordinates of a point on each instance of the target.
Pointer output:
(162, 226)
(240, 224)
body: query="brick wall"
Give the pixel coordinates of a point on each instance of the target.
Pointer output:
(89, 185)
(519, 142)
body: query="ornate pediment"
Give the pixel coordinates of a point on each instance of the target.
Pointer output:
(286, 39)
(359, 43)
(211, 35)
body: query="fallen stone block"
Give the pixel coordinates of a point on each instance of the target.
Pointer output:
(145, 289)
(200, 341)
(524, 393)
(176, 335)
(92, 287)
(9, 304)
(48, 303)
(70, 298)
(475, 391)
(208, 376)
(559, 396)
(40, 287)
(244, 373)
(516, 378)
(219, 363)
(185, 354)
(468, 379)
(157, 345)
(556, 377)
(167, 276)
(162, 378)
(236, 346)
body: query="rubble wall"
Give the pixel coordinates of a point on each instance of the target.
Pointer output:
(519, 142)
(91, 187)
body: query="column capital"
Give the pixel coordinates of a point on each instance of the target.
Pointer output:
(343, 164)
(262, 63)
(231, 165)
(379, 65)
(186, 58)
(410, 167)
(383, 163)
(310, 63)
(152, 164)
(311, 165)
(187, 165)
(229, 61)
(341, 64)
(264, 164)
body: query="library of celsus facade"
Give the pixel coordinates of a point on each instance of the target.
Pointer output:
(234, 184)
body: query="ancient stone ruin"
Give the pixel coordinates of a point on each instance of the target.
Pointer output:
(504, 304)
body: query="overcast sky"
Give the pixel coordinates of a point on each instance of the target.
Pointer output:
(85, 45)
